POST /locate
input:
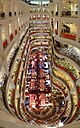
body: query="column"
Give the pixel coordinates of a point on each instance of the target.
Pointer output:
(59, 17)
(7, 31)
(1, 45)
(6, 66)
(78, 25)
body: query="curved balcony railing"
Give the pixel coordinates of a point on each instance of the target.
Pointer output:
(11, 60)
(67, 67)
(69, 109)
(65, 79)
(69, 52)
(73, 100)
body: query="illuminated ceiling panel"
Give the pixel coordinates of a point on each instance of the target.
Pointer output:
(38, 2)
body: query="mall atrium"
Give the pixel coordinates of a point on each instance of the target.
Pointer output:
(39, 63)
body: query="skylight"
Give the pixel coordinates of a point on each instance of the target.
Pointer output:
(38, 2)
